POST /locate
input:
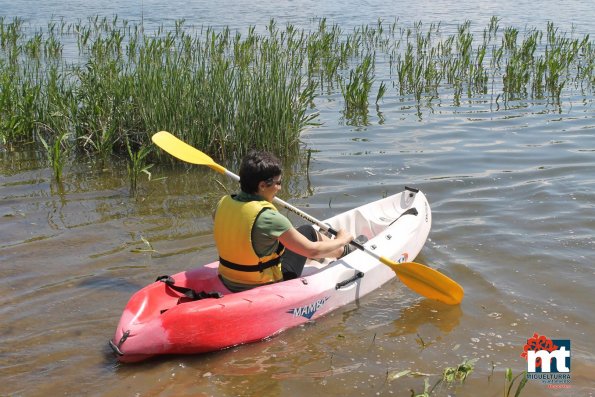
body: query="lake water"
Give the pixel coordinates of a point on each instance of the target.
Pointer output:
(512, 190)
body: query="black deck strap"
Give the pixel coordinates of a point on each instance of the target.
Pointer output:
(250, 268)
(412, 189)
(350, 280)
(188, 292)
(410, 211)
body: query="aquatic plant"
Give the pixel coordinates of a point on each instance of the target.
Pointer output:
(226, 92)
(357, 89)
(459, 373)
(137, 164)
(450, 375)
(56, 150)
(509, 382)
(222, 92)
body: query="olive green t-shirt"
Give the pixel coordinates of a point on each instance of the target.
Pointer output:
(268, 227)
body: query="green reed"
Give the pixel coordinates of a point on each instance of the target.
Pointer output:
(57, 152)
(137, 163)
(225, 92)
(520, 65)
(509, 382)
(357, 89)
(221, 92)
(326, 54)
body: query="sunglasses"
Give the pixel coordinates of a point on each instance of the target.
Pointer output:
(271, 182)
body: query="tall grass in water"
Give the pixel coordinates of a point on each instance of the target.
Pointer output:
(225, 92)
(218, 90)
(357, 90)
(137, 163)
(520, 66)
(57, 152)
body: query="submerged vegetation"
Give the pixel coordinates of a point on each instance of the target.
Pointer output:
(104, 86)
(456, 376)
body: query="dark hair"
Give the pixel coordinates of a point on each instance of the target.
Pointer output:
(258, 166)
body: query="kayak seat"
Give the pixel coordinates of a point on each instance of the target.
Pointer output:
(361, 239)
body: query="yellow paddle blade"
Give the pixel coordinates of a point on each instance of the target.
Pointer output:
(427, 282)
(183, 151)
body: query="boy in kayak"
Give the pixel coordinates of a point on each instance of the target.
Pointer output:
(257, 244)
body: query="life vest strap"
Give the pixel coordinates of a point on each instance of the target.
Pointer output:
(250, 268)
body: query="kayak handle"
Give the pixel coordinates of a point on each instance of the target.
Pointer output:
(350, 280)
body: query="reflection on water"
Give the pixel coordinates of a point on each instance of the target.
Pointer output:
(511, 190)
(425, 312)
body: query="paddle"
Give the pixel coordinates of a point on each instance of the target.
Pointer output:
(420, 278)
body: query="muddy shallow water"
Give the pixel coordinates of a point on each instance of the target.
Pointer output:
(513, 198)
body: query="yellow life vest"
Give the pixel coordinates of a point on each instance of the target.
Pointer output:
(238, 262)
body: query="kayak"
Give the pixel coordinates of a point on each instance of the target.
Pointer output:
(192, 312)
